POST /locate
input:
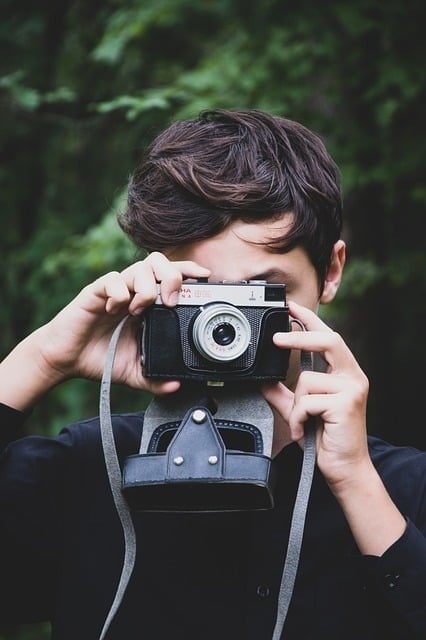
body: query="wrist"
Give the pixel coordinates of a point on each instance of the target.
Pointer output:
(26, 373)
(374, 519)
(357, 478)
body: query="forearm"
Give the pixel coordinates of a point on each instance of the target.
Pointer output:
(25, 375)
(374, 519)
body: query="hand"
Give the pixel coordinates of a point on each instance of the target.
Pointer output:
(80, 333)
(74, 343)
(337, 398)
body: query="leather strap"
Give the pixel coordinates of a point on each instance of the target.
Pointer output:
(114, 475)
(123, 511)
(296, 529)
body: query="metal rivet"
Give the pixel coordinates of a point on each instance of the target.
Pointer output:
(199, 416)
(213, 459)
(178, 460)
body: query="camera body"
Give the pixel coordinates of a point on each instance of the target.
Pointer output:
(217, 332)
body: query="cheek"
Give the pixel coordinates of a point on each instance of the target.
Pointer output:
(308, 297)
(305, 289)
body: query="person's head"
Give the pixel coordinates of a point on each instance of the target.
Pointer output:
(200, 177)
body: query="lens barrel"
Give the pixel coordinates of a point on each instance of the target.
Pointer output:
(221, 332)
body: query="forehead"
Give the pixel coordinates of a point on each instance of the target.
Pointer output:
(241, 252)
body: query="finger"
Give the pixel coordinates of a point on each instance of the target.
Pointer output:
(279, 397)
(171, 275)
(162, 387)
(314, 382)
(141, 280)
(330, 345)
(143, 277)
(310, 320)
(116, 292)
(284, 402)
(308, 406)
(318, 338)
(109, 292)
(156, 268)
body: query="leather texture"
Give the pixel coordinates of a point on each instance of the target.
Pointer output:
(197, 472)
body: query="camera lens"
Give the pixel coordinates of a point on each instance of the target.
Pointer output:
(221, 332)
(224, 334)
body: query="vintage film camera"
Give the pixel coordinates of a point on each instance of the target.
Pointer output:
(208, 446)
(218, 331)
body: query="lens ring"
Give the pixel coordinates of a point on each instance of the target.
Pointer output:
(209, 320)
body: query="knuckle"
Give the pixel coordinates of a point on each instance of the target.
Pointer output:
(108, 278)
(304, 379)
(155, 255)
(360, 384)
(357, 395)
(364, 385)
(336, 340)
(155, 261)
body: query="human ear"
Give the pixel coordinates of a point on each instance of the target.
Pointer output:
(334, 272)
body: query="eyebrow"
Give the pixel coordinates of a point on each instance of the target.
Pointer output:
(271, 274)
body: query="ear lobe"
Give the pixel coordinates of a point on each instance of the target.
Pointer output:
(334, 273)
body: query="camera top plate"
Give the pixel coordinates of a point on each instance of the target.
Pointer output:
(254, 293)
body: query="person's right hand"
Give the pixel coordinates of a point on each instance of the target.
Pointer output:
(74, 343)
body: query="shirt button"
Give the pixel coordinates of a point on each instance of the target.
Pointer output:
(263, 591)
(391, 580)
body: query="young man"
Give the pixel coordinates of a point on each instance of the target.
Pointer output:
(228, 196)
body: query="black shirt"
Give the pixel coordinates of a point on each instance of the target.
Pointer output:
(198, 576)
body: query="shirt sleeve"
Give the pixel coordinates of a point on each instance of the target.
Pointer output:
(11, 425)
(32, 478)
(400, 575)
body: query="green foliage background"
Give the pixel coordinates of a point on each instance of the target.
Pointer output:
(85, 85)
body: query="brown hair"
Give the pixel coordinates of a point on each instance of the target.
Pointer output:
(200, 175)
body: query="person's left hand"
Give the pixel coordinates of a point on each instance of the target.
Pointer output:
(337, 398)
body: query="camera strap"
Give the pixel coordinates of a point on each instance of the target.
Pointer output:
(114, 476)
(115, 480)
